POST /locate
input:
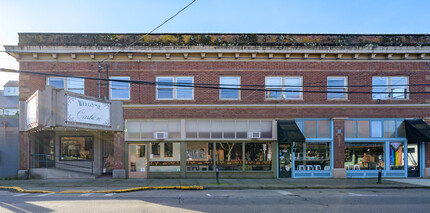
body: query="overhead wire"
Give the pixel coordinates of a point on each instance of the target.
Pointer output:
(213, 86)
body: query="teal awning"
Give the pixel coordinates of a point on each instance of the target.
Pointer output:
(289, 132)
(417, 131)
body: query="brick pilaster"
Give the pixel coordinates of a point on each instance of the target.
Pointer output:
(118, 150)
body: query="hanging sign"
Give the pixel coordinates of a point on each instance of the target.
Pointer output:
(80, 110)
(396, 145)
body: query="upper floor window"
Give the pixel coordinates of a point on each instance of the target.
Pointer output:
(175, 88)
(395, 87)
(336, 87)
(229, 82)
(75, 85)
(120, 90)
(284, 87)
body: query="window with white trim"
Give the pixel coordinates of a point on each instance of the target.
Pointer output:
(70, 84)
(336, 88)
(232, 82)
(284, 87)
(180, 88)
(119, 90)
(394, 87)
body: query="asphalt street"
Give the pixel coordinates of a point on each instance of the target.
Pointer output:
(294, 200)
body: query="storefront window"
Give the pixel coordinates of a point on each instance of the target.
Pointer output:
(312, 156)
(364, 156)
(165, 157)
(229, 156)
(200, 156)
(77, 148)
(258, 156)
(397, 156)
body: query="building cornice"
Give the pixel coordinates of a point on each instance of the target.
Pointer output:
(174, 53)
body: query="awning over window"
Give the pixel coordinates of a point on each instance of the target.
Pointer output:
(417, 131)
(289, 132)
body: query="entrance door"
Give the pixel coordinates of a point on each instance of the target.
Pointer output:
(137, 161)
(285, 165)
(413, 160)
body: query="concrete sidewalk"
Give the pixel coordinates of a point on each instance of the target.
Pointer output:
(101, 184)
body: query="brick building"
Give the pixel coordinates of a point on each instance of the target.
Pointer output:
(251, 105)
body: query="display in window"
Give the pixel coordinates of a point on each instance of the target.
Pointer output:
(229, 156)
(312, 156)
(200, 157)
(258, 156)
(76, 148)
(364, 156)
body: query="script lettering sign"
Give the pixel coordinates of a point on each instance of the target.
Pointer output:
(80, 110)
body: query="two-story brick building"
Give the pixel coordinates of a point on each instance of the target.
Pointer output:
(251, 105)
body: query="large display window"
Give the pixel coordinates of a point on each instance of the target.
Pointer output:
(312, 156)
(364, 156)
(164, 157)
(397, 156)
(258, 156)
(229, 156)
(77, 148)
(200, 156)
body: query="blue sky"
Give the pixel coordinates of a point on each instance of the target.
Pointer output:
(209, 16)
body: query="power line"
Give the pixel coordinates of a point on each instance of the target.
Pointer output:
(203, 86)
(141, 37)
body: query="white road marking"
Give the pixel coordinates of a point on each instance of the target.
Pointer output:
(109, 195)
(359, 195)
(209, 195)
(85, 195)
(14, 207)
(43, 195)
(19, 195)
(284, 192)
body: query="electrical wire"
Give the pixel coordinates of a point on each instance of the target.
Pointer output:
(143, 36)
(205, 86)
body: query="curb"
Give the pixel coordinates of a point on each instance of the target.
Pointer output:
(19, 189)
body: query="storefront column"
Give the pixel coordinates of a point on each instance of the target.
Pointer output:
(339, 170)
(24, 154)
(426, 171)
(119, 155)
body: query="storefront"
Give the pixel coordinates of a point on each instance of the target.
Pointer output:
(374, 143)
(70, 132)
(185, 148)
(305, 155)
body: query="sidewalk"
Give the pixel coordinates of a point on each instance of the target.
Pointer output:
(101, 184)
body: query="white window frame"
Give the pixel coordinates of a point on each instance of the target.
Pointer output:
(65, 83)
(119, 78)
(345, 87)
(238, 87)
(283, 88)
(174, 88)
(389, 95)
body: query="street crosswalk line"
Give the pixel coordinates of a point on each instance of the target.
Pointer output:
(109, 195)
(85, 195)
(44, 195)
(19, 195)
(360, 195)
(284, 192)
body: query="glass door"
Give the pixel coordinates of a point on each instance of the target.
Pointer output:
(413, 160)
(137, 161)
(285, 165)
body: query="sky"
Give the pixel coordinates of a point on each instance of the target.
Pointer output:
(207, 16)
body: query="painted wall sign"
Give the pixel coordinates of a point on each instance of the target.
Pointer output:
(31, 108)
(86, 111)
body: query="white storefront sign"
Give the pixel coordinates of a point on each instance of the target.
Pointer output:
(86, 111)
(31, 108)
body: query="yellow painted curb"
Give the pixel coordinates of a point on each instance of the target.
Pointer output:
(19, 189)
